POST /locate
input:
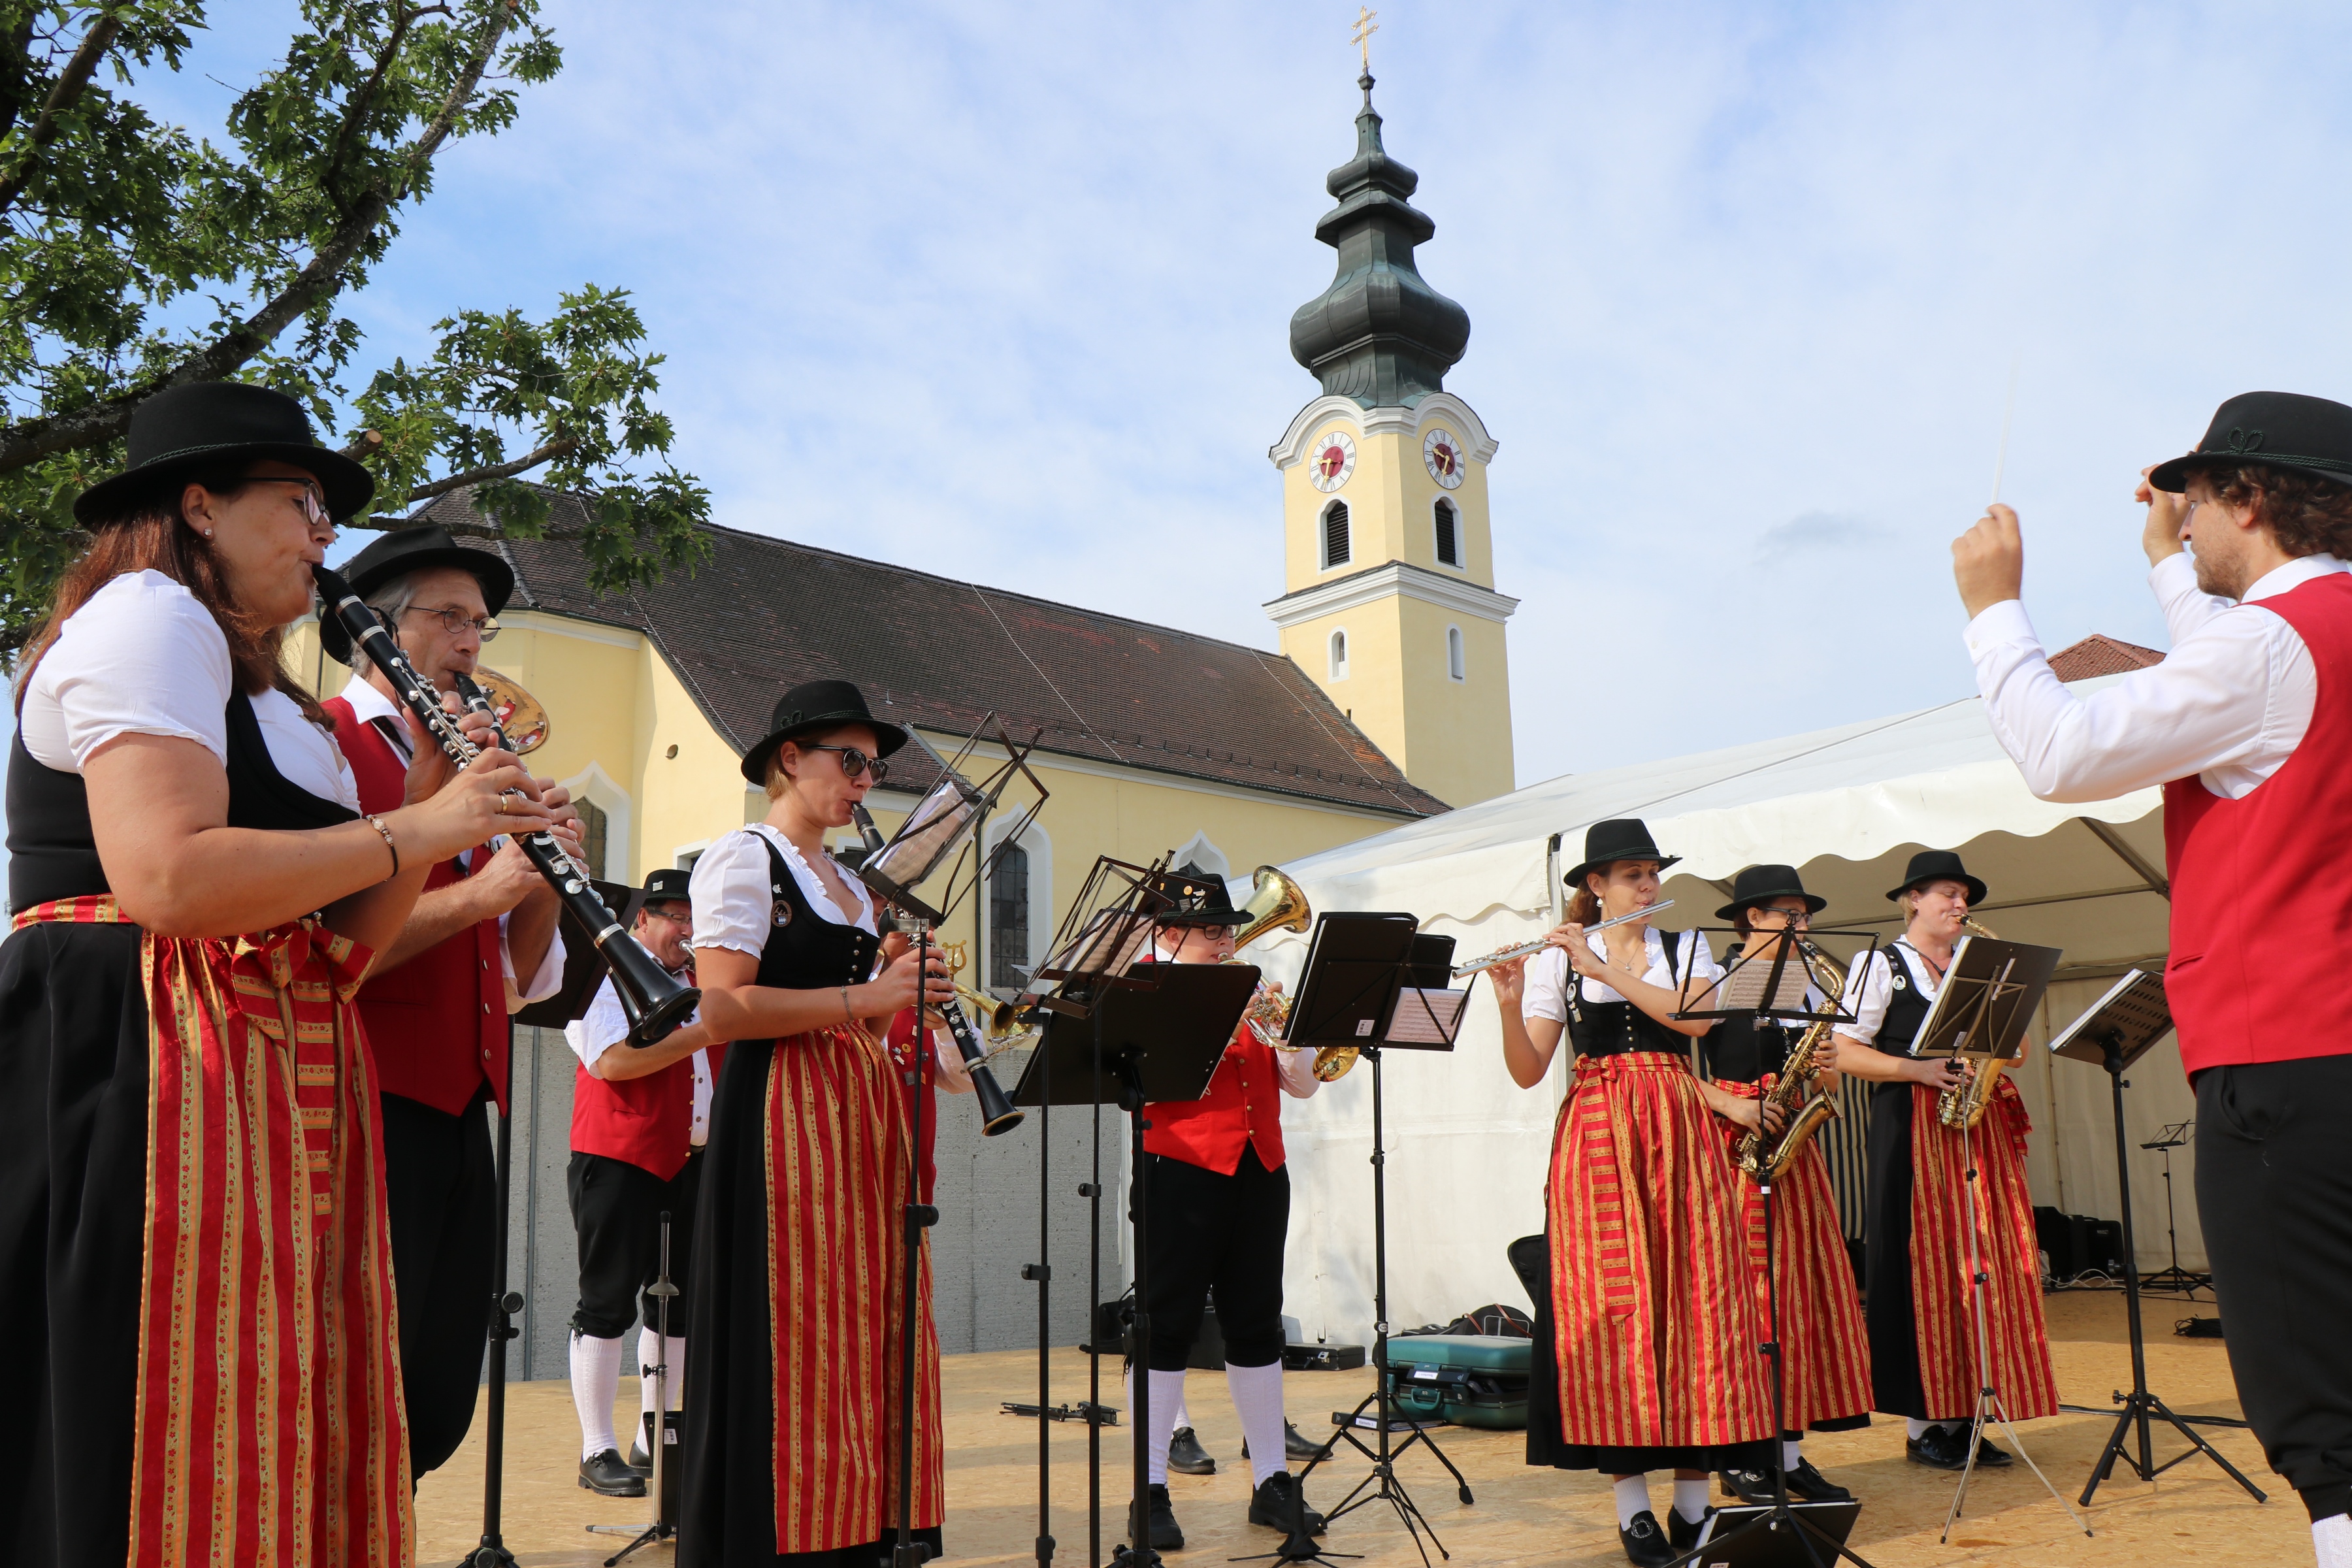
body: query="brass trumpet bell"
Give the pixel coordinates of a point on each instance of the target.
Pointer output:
(1275, 904)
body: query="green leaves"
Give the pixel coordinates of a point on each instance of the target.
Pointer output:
(136, 254)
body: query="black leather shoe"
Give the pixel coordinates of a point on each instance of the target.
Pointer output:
(1682, 1534)
(1186, 1456)
(639, 1460)
(1747, 1486)
(1808, 1485)
(1272, 1505)
(607, 1477)
(1942, 1449)
(1646, 1544)
(1295, 1443)
(1165, 1534)
(1987, 1457)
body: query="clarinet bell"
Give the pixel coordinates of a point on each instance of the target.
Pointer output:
(998, 1114)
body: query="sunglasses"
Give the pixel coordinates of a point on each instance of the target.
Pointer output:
(853, 761)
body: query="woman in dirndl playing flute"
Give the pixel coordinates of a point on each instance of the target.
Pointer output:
(1644, 1355)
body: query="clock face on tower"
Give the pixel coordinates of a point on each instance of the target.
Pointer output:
(1441, 452)
(1333, 460)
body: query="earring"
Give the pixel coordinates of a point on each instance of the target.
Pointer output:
(208, 533)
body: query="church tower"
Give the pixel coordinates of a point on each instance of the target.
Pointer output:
(1389, 568)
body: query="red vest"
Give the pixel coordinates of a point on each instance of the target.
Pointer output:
(646, 1121)
(437, 1026)
(2261, 912)
(1242, 1109)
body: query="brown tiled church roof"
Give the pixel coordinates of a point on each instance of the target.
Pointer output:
(761, 613)
(2096, 655)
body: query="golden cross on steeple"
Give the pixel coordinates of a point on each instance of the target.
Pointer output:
(1362, 36)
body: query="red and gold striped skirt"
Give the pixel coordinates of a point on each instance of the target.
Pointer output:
(1824, 1344)
(1944, 1207)
(1654, 1307)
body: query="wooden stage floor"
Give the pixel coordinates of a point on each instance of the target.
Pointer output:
(1520, 1515)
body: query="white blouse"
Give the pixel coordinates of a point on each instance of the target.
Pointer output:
(1545, 995)
(733, 907)
(1870, 986)
(606, 1026)
(144, 657)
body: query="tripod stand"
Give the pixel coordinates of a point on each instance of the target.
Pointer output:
(663, 1526)
(2120, 1027)
(504, 1304)
(2173, 1277)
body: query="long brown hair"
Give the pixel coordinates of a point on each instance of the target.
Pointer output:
(149, 534)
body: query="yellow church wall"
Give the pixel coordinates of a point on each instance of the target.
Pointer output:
(1452, 738)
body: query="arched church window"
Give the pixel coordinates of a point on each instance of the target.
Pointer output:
(1008, 920)
(594, 832)
(1456, 666)
(1449, 535)
(1340, 654)
(1336, 547)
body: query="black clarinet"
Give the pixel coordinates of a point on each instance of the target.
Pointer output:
(654, 1003)
(996, 1110)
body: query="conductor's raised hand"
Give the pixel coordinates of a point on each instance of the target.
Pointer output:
(1989, 561)
(2166, 531)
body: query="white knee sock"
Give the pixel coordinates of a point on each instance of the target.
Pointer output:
(1632, 1498)
(596, 1380)
(1690, 1498)
(1793, 1453)
(1183, 1416)
(1257, 1398)
(2331, 1540)
(1167, 1399)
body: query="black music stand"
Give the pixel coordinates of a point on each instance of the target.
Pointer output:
(1159, 1037)
(2172, 1277)
(2120, 1027)
(1371, 982)
(1981, 1015)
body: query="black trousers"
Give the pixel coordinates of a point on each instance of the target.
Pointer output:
(441, 1187)
(2274, 1195)
(1203, 1229)
(616, 1207)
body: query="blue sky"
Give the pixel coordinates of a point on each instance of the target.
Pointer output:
(1003, 292)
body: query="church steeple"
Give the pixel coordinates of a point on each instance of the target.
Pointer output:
(1380, 334)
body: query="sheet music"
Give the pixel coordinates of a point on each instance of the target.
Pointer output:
(1745, 986)
(1427, 1017)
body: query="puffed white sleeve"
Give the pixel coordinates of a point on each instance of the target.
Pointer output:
(1545, 991)
(600, 1028)
(1868, 988)
(544, 982)
(730, 894)
(142, 657)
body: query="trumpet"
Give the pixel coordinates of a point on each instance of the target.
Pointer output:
(1507, 954)
(1001, 1021)
(1962, 1106)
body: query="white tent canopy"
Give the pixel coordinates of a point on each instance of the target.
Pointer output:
(1467, 1149)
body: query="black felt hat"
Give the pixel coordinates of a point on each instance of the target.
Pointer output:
(1191, 900)
(206, 422)
(407, 549)
(1938, 866)
(1618, 838)
(2284, 429)
(815, 705)
(1762, 884)
(668, 884)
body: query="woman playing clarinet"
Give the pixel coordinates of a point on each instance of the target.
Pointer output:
(793, 1397)
(1645, 1351)
(1923, 1335)
(199, 1296)
(1824, 1348)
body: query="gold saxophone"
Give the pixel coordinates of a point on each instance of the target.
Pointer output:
(1792, 1091)
(1963, 1105)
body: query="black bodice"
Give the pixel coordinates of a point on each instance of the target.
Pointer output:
(1743, 1049)
(1907, 1004)
(806, 952)
(53, 854)
(1613, 1028)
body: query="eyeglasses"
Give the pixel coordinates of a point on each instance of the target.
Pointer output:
(1787, 917)
(685, 919)
(313, 501)
(853, 761)
(455, 621)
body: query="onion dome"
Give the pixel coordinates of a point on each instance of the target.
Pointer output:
(1379, 335)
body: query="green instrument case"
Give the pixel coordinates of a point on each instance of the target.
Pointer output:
(1470, 1380)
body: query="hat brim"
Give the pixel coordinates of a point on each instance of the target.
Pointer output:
(1814, 902)
(887, 736)
(491, 572)
(2173, 477)
(1574, 879)
(348, 485)
(1975, 889)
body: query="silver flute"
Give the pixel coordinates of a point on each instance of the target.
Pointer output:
(1506, 954)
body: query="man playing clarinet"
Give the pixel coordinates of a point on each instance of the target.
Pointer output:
(480, 942)
(2246, 727)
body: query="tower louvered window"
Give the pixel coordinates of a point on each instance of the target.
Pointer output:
(1449, 535)
(1335, 534)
